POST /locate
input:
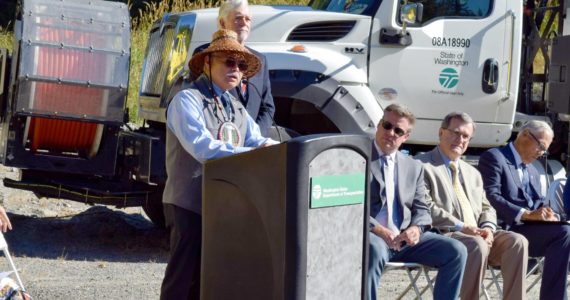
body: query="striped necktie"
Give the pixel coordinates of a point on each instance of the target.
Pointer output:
(466, 209)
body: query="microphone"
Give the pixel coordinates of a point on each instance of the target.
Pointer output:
(245, 81)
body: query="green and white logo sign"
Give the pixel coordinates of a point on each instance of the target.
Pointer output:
(335, 190)
(448, 78)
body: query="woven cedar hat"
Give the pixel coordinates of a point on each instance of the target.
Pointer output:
(225, 40)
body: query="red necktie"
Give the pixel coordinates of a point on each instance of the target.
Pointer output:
(243, 88)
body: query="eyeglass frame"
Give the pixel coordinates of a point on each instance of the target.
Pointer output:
(457, 134)
(231, 62)
(541, 146)
(389, 126)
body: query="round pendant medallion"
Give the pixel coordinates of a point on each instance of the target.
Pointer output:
(229, 133)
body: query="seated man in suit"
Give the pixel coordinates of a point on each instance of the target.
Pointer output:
(399, 215)
(512, 185)
(459, 206)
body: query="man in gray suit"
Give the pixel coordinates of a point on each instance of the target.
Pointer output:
(399, 215)
(460, 208)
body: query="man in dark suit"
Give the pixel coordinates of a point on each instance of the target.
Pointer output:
(254, 92)
(399, 215)
(512, 185)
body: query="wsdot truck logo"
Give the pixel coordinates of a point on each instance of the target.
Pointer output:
(448, 78)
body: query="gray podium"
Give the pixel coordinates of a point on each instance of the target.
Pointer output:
(287, 221)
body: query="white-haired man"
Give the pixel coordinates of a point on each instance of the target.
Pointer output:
(254, 92)
(512, 185)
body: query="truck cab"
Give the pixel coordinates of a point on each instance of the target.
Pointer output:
(335, 65)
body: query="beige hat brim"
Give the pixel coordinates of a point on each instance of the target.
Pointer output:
(196, 63)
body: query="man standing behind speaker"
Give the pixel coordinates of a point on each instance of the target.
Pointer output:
(254, 92)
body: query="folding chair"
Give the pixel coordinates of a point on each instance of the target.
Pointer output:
(553, 199)
(495, 281)
(4, 249)
(496, 277)
(410, 268)
(538, 267)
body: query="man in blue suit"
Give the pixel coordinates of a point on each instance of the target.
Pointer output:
(255, 92)
(399, 215)
(513, 187)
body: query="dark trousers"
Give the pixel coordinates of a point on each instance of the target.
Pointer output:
(553, 242)
(182, 276)
(447, 255)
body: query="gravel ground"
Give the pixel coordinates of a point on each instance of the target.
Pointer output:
(69, 250)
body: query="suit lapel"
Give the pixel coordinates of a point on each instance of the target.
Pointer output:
(511, 166)
(534, 178)
(377, 179)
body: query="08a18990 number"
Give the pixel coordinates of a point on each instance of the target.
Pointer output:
(450, 42)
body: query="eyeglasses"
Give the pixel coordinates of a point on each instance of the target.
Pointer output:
(458, 134)
(389, 126)
(541, 146)
(231, 63)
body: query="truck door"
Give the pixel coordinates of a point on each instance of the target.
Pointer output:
(462, 56)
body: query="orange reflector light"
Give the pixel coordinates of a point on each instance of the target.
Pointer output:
(298, 48)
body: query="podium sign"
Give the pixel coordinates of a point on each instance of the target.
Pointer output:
(336, 190)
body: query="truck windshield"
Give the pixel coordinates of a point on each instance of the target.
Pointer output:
(357, 7)
(434, 9)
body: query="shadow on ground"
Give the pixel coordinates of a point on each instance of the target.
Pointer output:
(99, 233)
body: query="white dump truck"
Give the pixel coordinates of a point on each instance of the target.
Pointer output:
(334, 66)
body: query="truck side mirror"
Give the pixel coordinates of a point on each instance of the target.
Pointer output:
(411, 13)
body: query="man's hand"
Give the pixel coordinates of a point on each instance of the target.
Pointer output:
(541, 214)
(488, 236)
(386, 234)
(470, 230)
(410, 236)
(5, 224)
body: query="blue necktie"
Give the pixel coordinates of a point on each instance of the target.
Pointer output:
(526, 186)
(226, 103)
(389, 215)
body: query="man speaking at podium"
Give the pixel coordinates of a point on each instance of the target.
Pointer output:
(203, 122)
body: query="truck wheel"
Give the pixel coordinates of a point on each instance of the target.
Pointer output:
(154, 209)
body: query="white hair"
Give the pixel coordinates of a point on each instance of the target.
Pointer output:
(227, 7)
(536, 127)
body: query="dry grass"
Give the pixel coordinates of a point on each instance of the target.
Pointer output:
(6, 38)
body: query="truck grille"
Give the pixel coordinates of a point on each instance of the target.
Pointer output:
(321, 31)
(159, 48)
